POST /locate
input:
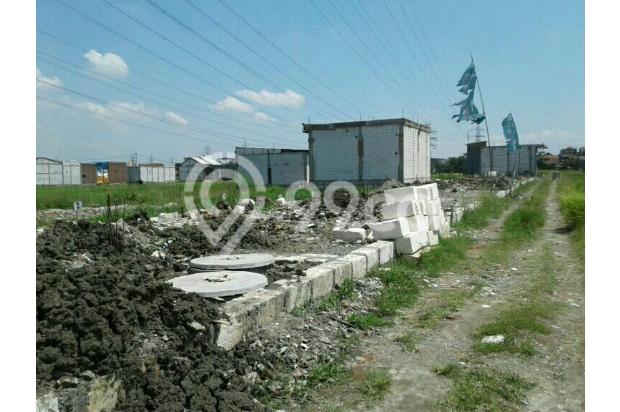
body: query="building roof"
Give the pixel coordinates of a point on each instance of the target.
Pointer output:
(206, 160)
(48, 159)
(263, 150)
(308, 127)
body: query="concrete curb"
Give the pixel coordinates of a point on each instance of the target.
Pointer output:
(262, 307)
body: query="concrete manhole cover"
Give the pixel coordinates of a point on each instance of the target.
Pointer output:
(233, 262)
(221, 283)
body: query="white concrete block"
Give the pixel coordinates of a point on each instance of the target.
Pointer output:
(400, 209)
(436, 222)
(422, 207)
(501, 193)
(296, 293)
(386, 251)
(390, 229)
(322, 280)
(427, 192)
(433, 207)
(341, 268)
(433, 238)
(419, 222)
(350, 235)
(371, 254)
(411, 243)
(358, 265)
(229, 334)
(400, 194)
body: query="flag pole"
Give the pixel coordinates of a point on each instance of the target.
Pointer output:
(484, 112)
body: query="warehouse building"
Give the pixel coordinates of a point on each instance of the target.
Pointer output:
(481, 157)
(369, 152)
(205, 164)
(151, 173)
(277, 166)
(49, 171)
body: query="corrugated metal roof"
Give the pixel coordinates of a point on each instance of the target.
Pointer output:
(206, 160)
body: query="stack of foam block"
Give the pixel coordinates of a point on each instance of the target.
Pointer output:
(412, 217)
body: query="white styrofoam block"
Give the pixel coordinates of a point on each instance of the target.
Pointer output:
(350, 235)
(419, 222)
(427, 192)
(400, 194)
(400, 209)
(411, 243)
(390, 229)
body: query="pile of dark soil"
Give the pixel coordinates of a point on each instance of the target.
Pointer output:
(115, 315)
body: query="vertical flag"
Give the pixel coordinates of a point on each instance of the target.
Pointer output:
(510, 133)
(467, 85)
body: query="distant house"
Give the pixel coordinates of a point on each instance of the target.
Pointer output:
(481, 159)
(277, 166)
(197, 167)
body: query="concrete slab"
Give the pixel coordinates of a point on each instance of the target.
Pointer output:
(386, 251)
(341, 268)
(390, 229)
(411, 243)
(433, 207)
(427, 192)
(233, 262)
(358, 265)
(322, 281)
(371, 254)
(400, 194)
(419, 222)
(350, 235)
(433, 238)
(400, 209)
(436, 222)
(220, 283)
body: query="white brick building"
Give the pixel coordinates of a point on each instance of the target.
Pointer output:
(370, 151)
(277, 166)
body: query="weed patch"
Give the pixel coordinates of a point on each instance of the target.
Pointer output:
(483, 389)
(376, 385)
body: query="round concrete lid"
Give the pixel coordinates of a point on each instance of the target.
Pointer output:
(221, 283)
(233, 262)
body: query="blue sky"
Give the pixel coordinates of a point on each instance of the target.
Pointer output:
(102, 97)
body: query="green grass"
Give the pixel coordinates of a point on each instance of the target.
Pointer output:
(527, 316)
(447, 254)
(571, 194)
(367, 321)
(525, 223)
(409, 341)
(334, 299)
(446, 176)
(327, 372)
(490, 207)
(446, 303)
(480, 389)
(376, 385)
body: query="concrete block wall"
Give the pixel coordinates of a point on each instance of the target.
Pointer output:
(287, 166)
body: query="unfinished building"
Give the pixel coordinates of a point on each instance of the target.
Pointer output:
(481, 159)
(278, 166)
(369, 152)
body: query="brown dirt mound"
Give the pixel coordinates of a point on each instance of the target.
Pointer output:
(115, 315)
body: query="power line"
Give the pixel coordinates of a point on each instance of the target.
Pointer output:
(354, 50)
(359, 38)
(91, 78)
(230, 56)
(288, 57)
(176, 124)
(211, 19)
(165, 84)
(151, 52)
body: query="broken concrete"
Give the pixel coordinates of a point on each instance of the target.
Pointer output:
(350, 235)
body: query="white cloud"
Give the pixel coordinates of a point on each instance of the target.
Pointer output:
(266, 98)
(175, 118)
(48, 83)
(263, 117)
(108, 64)
(548, 135)
(233, 104)
(94, 108)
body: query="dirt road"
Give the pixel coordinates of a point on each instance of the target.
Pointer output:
(441, 328)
